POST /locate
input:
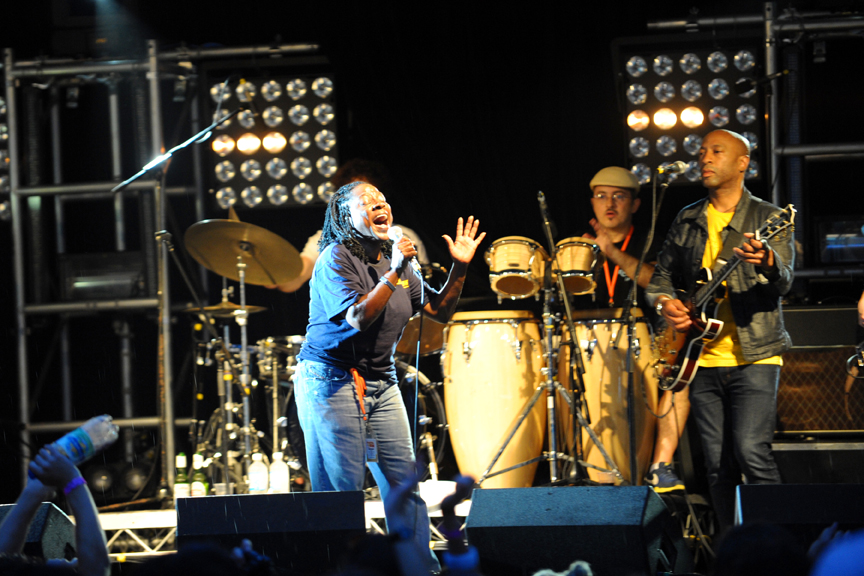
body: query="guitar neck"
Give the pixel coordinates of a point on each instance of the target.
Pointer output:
(706, 292)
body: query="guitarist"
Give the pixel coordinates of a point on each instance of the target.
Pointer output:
(734, 391)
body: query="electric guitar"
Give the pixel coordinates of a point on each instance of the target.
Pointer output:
(676, 354)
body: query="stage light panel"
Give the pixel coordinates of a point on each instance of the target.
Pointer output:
(287, 136)
(689, 82)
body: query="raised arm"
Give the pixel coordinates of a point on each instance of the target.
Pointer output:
(442, 305)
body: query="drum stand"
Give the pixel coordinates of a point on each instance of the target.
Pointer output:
(552, 386)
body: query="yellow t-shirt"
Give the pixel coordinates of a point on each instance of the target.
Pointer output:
(725, 350)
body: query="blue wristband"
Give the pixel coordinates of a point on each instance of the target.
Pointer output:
(74, 483)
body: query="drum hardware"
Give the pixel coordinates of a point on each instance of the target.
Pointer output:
(225, 309)
(551, 386)
(247, 254)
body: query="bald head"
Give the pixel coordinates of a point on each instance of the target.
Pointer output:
(740, 145)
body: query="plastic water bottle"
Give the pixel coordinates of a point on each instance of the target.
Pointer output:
(259, 477)
(279, 475)
(182, 488)
(94, 435)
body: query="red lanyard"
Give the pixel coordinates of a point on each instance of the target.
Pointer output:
(611, 281)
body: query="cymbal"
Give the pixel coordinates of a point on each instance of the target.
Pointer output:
(269, 258)
(225, 310)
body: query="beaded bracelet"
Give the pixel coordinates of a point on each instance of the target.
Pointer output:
(74, 483)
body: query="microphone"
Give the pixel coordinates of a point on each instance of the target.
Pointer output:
(746, 84)
(677, 167)
(395, 234)
(544, 212)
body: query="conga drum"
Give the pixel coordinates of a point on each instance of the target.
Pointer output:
(606, 391)
(491, 365)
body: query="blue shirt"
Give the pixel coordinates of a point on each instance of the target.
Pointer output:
(338, 280)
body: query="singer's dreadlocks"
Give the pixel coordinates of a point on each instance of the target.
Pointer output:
(338, 228)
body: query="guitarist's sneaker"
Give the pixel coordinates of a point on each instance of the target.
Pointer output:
(663, 479)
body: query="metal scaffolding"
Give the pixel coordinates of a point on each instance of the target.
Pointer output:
(156, 68)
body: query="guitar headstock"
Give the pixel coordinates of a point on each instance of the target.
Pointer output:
(777, 223)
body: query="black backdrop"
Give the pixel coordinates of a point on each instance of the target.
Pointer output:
(472, 107)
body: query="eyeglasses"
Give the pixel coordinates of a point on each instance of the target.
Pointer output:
(618, 197)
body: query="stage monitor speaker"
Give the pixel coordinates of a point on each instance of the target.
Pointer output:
(617, 529)
(804, 509)
(51, 534)
(302, 532)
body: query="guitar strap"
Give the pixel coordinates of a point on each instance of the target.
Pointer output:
(733, 239)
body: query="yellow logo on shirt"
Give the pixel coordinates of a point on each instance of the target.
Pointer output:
(404, 283)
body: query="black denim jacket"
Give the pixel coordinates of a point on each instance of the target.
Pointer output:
(755, 297)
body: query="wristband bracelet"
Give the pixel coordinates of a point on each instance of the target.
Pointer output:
(387, 282)
(74, 483)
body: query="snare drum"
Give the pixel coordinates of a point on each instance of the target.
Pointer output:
(516, 266)
(606, 391)
(491, 365)
(575, 263)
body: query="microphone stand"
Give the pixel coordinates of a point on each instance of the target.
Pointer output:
(627, 318)
(166, 423)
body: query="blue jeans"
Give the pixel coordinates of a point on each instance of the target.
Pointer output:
(735, 410)
(335, 437)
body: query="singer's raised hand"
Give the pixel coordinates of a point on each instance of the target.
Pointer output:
(465, 244)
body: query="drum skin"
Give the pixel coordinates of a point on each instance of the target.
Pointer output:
(606, 392)
(491, 367)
